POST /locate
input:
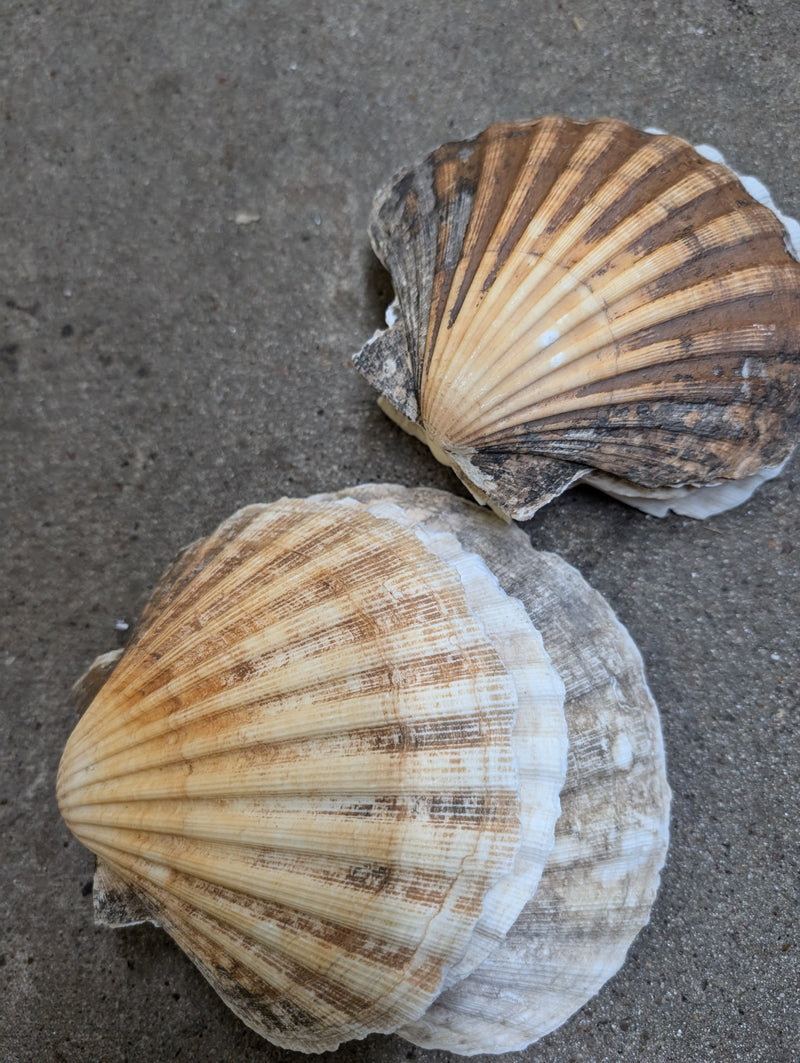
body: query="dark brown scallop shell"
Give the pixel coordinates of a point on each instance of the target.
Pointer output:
(587, 301)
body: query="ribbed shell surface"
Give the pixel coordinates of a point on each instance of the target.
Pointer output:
(302, 768)
(584, 296)
(602, 875)
(539, 737)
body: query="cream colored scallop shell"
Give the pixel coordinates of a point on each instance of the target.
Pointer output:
(306, 767)
(611, 839)
(584, 301)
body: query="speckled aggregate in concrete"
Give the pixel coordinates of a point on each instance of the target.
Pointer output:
(162, 364)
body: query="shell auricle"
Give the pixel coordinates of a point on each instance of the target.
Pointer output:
(588, 302)
(331, 764)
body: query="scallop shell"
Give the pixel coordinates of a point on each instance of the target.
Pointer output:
(601, 878)
(584, 301)
(307, 767)
(328, 765)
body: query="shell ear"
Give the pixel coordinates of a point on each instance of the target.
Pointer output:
(386, 362)
(116, 902)
(525, 482)
(88, 686)
(581, 300)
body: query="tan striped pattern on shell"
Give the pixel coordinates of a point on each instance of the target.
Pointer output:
(303, 768)
(577, 297)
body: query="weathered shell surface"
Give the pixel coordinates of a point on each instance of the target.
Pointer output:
(305, 766)
(587, 299)
(611, 839)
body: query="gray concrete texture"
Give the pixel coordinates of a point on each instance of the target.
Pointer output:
(162, 365)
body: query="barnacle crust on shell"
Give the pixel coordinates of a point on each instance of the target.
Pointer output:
(585, 301)
(306, 766)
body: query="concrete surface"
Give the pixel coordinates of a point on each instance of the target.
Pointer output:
(161, 365)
